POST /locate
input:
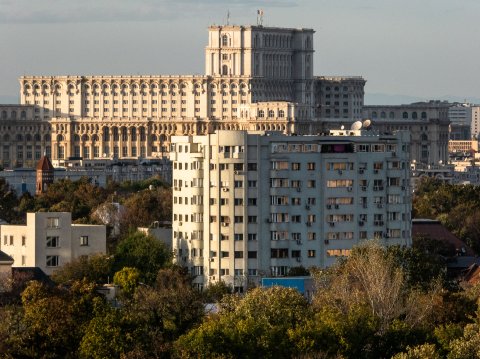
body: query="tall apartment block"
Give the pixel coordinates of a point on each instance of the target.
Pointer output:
(254, 204)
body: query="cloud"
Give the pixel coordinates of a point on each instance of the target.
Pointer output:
(72, 11)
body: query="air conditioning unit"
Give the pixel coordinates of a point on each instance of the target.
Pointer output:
(212, 259)
(404, 188)
(375, 171)
(365, 205)
(224, 224)
(299, 241)
(386, 235)
(340, 172)
(299, 189)
(326, 241)
(299, 259)
(361, 170)
(364, 188)
(268, 220)
(309, 224)
(379, 205)
(337, 206)
(350, 189)
(381, 223)
(360, 223)
(225, 189)
(307, 207)
(381, 188)
(332, 224)
(394, 154)
(329, 206)
(180, 223)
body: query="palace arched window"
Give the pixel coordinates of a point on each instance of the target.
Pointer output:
(261, 113)
(405, 115)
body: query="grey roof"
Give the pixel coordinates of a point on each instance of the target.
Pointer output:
(5, 258)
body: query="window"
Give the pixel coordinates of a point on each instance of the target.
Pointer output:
(53, 241)
(238, 254)
(252, 236)
(311, 166)
(311, 253)
(52, 261)
(53, 222)
(252, 254)
(84, 240)
(24, 241)
(238, 237)
(295, 166)
(252, 219)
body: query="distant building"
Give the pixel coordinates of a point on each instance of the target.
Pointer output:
(50, 240)
(251, 205)
(159, 230)
(427, 123)
(44, 175)
(6, 263)
(339, 97)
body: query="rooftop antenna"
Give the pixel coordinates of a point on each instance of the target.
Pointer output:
(260, 17)
(228, 17)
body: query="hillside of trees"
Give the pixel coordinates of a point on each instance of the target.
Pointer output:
(378, 303)
(456, 206)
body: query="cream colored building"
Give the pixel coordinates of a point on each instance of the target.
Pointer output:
(427, 123)
(50, 240)
(256, 78)
(251, 205)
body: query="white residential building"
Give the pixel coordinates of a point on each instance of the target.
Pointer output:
(50, 240)
(248, 205)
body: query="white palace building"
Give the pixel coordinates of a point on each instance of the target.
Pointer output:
(256, 78)
(248, 205)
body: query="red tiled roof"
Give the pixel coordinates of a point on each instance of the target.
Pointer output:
(435, 230)
(44, 164)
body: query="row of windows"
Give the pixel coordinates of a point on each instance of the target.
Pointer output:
(50, 241)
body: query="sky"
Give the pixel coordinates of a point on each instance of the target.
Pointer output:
(405, 49)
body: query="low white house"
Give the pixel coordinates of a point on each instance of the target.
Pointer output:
(50, 240)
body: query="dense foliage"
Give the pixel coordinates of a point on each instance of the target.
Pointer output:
(457, 207)
(371, 305)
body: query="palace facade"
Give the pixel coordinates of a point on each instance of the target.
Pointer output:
(256, 78)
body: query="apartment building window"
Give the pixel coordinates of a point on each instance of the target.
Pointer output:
(279, 271)
(311, 166)
(238, 237)
(238, 254)
(296, 219)
(311, 201)
(311, 253)
(53, 222)
(52, 242)
(238, 219)
(24, 240)
(252, 236)
(252, 184)
(11, 240)
(84, 240)
(52, 261)
(311, 183)
(252, 166)
(252, 254)
(279, 253)
(296, 166)
(252, 219)
(238, 201)
(238, 184)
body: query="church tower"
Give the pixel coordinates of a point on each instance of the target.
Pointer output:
(45, 173)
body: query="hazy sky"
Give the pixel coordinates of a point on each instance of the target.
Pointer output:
(424, 48)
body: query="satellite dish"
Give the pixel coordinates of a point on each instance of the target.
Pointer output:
(367, 124)
(342, 127)
(356, 125)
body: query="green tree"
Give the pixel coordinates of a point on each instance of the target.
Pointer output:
(252, 327)
(96, 268)
(214, 292)
(8, 201)
(146, 206)
(143, 252)
(127, 279)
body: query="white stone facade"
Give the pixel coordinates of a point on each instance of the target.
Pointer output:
(50, 240)
(256, 78)
(250, 205)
